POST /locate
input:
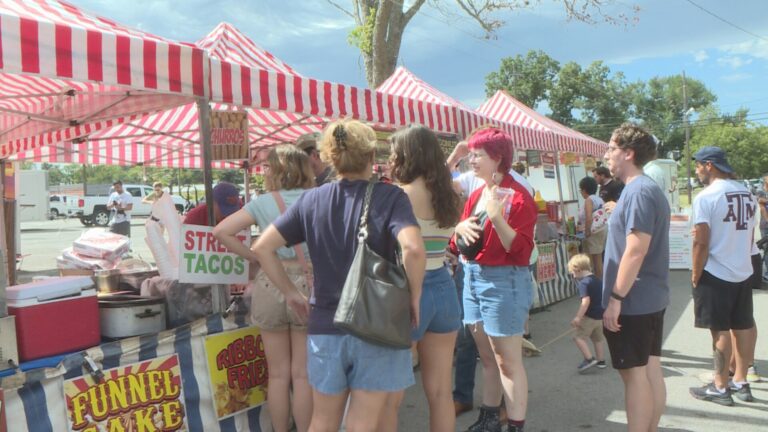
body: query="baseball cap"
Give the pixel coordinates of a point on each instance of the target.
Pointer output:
(227, 197)
(714, 155)
(308, 141)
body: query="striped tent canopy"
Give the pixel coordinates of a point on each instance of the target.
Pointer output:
(281, 104)
(506, 108)
(65, 74)
(406, 84)
(170, 138)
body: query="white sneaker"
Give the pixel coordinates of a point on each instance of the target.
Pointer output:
(752, 375)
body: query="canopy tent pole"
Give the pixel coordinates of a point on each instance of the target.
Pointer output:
(247, 180)
(204, 118)
(4, 261)
(559, 182)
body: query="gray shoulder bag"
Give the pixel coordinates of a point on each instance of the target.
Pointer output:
(375, 302)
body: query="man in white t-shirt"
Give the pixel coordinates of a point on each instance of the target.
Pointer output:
(121, 202)
(724, 225)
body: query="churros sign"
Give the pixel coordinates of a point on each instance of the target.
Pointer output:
(141, 397)
(238, 369)
(229, 135)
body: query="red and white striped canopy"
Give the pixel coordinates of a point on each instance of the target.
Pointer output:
(404, 83)
(65, 73)
(506, 108)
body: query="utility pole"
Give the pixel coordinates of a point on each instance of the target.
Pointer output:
(686, 116)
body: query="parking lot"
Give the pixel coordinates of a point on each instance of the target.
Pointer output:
(42, 242)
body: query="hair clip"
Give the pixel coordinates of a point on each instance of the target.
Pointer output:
(341, 136)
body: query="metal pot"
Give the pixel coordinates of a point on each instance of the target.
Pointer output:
(107, 281)
(131, 315)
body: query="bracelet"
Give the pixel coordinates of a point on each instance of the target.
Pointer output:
(616, 296)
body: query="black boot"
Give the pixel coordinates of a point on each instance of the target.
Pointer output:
(487, 421)
(513, 428)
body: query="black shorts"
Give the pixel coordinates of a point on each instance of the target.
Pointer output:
(721, 305)
(756, 281)
(123, 228)
(639, 338)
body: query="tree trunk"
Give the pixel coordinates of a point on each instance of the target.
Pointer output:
(388, 30)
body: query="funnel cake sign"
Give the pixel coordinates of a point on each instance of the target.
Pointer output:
(141, 397)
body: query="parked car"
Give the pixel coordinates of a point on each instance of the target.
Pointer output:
(57, 207)
(92, 208)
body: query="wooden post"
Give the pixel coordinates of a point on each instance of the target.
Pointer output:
(204, 118)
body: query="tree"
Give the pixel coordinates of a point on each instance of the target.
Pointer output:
(746, 144)
(528, 79)
(658, 105)
(380, 24)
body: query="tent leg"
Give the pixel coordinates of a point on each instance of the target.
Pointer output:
(563, 213)
(204, 116)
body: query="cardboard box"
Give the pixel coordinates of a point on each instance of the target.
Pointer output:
(75, 272)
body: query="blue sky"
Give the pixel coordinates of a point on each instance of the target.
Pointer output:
(449, 52)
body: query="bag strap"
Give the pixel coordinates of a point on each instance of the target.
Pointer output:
(299, 251)
(362, 231)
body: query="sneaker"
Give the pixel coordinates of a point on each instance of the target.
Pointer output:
(744, 393)
(752, 375)
(586, 364)
(711, 394)
(601, 364)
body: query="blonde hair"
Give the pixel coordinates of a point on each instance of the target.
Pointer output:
(348, 145)
(288, 169)
(579, 262)
(157, 184)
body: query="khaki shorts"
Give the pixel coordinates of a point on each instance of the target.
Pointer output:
(590, 329)
(595, 243)
(268, 308)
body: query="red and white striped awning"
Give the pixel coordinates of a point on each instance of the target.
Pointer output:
(404, 83)
(506, 108)
(65, 73)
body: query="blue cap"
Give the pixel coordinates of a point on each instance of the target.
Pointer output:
(227, 197)
(715, 156)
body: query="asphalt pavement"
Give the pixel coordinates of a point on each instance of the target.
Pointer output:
(560, 399)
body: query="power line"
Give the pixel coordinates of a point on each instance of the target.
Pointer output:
(736, 26)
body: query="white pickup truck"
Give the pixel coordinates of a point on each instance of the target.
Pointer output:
(92, 208)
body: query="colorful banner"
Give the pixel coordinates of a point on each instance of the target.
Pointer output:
(546, 267)
(238, 369)
(145, 396)
(229, 135)
(204, 260)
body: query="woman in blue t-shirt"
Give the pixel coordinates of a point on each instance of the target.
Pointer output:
(340, 365)
(288, 174)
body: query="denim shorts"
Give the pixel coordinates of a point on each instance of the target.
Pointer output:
(499, 296)
(439, 310)
(337, 363)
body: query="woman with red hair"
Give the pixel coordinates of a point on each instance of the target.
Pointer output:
(495, 239)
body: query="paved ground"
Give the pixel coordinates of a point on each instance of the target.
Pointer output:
(560, 399)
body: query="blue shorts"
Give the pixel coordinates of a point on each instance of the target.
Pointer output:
(439, 309)
(336, 363)
(499, 296)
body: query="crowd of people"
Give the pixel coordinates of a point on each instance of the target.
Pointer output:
(466, 243)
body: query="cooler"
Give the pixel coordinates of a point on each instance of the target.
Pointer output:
(54, 316)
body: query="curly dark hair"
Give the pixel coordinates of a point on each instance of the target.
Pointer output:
(630, 136)
(588, 185)
(416, 153)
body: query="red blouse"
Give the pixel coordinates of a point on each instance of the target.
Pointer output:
(522, 218)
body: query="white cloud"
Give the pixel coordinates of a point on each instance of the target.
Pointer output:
(736, 77)
(753, 48)
(734, 62)
(700, 56)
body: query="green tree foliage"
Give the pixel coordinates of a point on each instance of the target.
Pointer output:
(746, 144)
(528, 79)
(595, 100)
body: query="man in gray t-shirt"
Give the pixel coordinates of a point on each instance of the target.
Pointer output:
(635, 276)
